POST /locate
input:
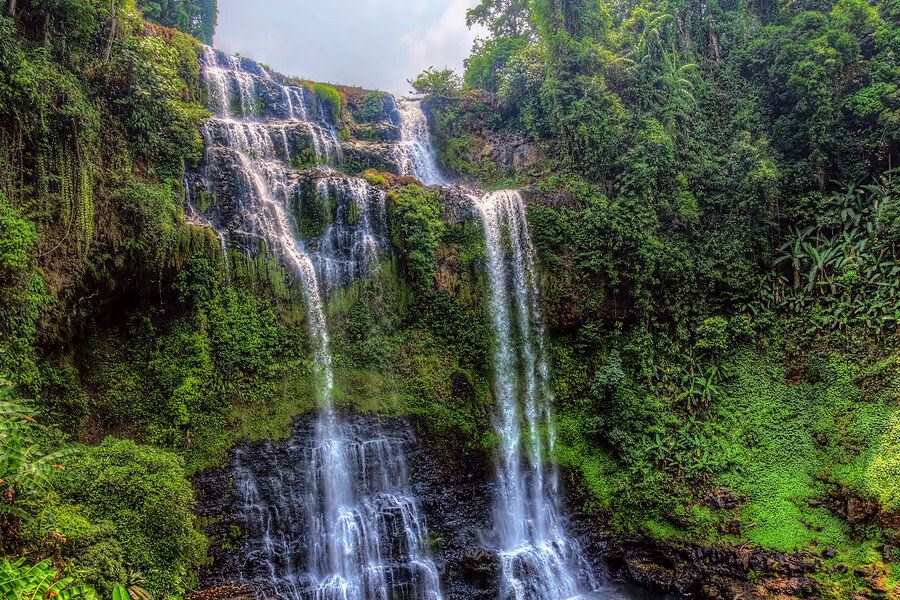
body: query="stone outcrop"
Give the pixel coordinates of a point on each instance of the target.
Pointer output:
(711, 573)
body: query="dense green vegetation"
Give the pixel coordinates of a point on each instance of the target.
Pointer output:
(716, 211)
(196, 17)
(715, 214)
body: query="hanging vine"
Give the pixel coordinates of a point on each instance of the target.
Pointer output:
(85, 209)
(66, 185)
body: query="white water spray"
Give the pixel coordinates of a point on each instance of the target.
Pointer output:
(415, 153)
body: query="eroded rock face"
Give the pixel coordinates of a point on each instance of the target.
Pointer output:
(453, 489)
(712, 573)
(513, 154)
(458, 205)
(451, 493)
(451, 484)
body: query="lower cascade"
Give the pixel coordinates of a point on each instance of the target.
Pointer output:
(539, 560)
(334, 519)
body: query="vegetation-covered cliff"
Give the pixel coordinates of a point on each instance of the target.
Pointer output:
(715, 209)
(712, 198)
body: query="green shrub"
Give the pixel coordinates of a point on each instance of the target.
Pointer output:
(372, 107)
(332, 98)
(375, 178)
(196, 17)
(152, 213)
(17, 237)
(314, 211)
(444, 83)
(712, 335)
(416, 231)
(883, 473)
(162, 123)
(486, 65)
(142, 495)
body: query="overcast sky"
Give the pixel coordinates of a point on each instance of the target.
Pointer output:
(376, 44)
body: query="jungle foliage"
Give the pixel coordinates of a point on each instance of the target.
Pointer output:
(133, 350)
(716, 213)
(195, 17)
(716, 192)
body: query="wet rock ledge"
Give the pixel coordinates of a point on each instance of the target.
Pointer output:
(453, 486)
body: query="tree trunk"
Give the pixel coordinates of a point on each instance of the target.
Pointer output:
(11, 8)
(112, 30)
(714, 44)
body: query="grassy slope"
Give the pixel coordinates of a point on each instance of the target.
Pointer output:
(787, 441)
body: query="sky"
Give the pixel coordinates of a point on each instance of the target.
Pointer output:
(375, 44)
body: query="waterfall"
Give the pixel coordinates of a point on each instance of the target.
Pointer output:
(234, 89)
(540, 561)
(415, 153)
(348, 527)
(372, 549)
(249, 163)
(357, 236)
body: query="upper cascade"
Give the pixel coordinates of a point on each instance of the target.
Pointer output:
(239, 88)
(273, 142)
(270, 133)
(415, 153)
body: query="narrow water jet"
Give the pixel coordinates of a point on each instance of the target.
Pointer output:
(540, 561)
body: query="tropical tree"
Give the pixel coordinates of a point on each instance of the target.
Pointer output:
(675, 88)
(503, 18)
(444, 83)
(25, 468)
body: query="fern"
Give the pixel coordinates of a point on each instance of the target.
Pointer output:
(42, 582)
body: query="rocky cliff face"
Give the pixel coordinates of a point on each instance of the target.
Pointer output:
(452, 485)
(453, 494)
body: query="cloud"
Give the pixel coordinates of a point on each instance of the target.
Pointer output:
(372, 43)
(445, 44)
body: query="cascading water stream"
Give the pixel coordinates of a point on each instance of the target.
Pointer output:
(415, 153)
(298, 552)
(539, 560)
(353, 242)
(335, 519)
